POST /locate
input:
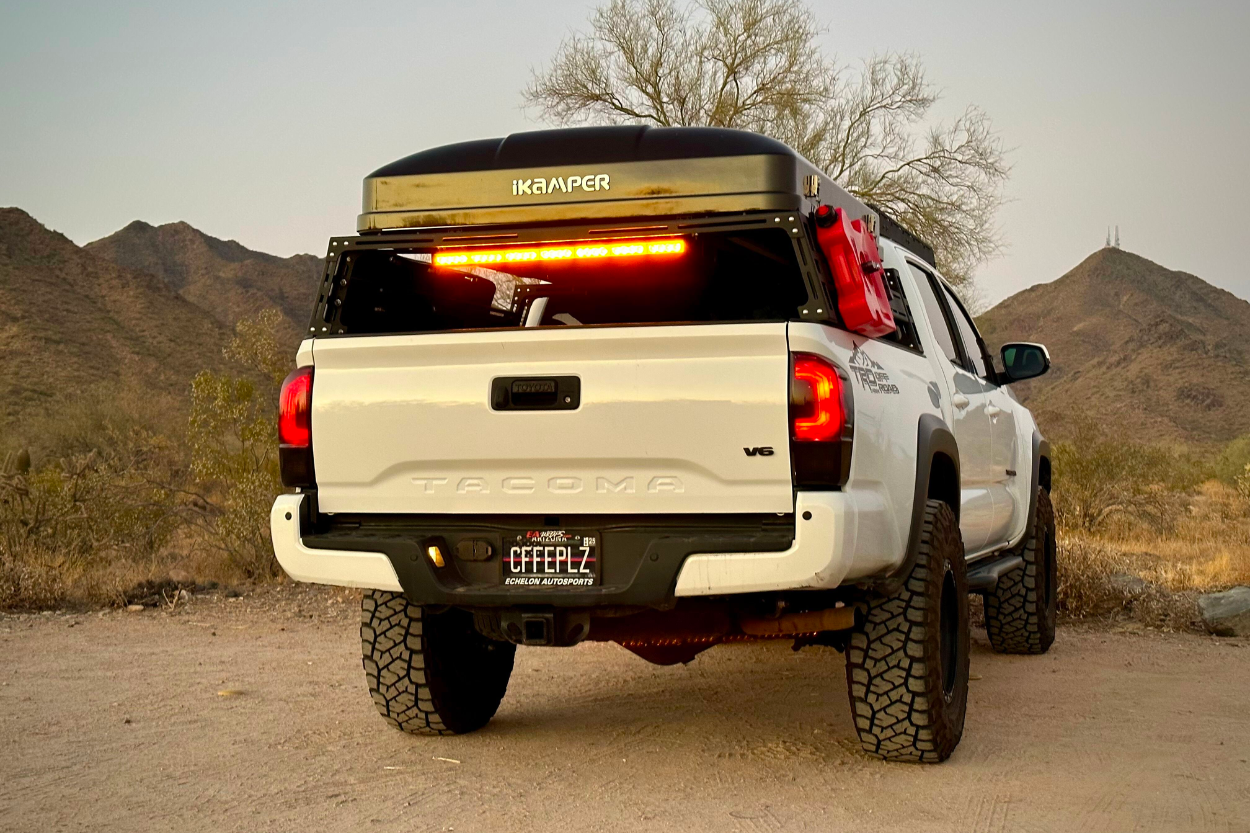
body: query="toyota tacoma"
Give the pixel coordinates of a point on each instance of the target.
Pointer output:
(666, 387)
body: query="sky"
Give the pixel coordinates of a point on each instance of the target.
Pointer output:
(257, 121)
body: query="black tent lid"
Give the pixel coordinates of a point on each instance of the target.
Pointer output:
(585, 145)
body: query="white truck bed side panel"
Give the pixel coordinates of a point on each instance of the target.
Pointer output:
(304, 356)
(892, 387)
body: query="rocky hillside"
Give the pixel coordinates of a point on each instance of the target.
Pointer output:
(222, 277)
(1156, 354)
(74, 322)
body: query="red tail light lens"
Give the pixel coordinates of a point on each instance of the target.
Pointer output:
(295, 409)
(816, 400)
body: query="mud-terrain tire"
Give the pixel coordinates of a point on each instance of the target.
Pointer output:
(1020, 610)
(907, 666)
(430, 674)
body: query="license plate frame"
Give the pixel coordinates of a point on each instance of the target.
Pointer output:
(552, 558)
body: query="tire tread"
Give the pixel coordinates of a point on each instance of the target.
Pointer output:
(426, 680)
(1016, 618)
(893, 663)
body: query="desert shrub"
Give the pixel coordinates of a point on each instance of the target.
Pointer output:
(1098, 476)
(80, 514)
(1233, 461)
(1242, 483)
(261, 346)
(115, 488)
(232, 434)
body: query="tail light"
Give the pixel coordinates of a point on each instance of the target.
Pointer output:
(820, 423)
(295, 459)
(816, 399)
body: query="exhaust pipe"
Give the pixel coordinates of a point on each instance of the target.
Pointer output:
(793, 624)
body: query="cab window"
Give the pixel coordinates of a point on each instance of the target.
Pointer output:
(967, 334)
(936, 314)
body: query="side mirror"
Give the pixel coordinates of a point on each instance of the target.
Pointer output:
(1022, 360)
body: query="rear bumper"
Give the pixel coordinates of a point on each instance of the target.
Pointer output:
(649, 561)
(818, 559)
(345, 568)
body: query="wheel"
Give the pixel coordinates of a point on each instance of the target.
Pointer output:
(430, 674)
(1020, 610)
(907, 667)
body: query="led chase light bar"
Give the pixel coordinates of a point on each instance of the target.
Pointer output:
(581, 250)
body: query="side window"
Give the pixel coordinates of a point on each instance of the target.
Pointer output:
(967, 334)
(936, 315)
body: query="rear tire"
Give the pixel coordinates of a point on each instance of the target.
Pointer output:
(430, 674)
(907, 667)
(1020, 610)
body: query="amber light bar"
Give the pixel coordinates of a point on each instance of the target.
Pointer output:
(580, 250)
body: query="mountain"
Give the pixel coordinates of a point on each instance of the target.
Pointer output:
(73, 322)
(1153, 353)
(223, 277)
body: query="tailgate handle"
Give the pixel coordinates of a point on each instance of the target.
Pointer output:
(536, 393)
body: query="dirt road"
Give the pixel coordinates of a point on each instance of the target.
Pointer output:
(114, 722)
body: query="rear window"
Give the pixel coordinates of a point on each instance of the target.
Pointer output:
(701, 278)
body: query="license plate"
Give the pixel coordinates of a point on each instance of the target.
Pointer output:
(552, 558)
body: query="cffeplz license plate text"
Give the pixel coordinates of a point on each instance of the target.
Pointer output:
(552, 558)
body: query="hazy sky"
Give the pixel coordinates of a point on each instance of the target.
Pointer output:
(256, 121)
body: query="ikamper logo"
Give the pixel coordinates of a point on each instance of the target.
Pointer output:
(539, 185)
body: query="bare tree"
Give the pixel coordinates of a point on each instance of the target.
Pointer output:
(757, 65)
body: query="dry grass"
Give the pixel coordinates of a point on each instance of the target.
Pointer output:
(1097, 580)
(45, 580)
(1208, 548)
(1153, 576)
(41, 580)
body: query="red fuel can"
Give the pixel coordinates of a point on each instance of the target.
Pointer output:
(858, 276)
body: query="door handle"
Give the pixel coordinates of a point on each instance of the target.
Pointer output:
(993, 410)
(536, 393)
(960, 401)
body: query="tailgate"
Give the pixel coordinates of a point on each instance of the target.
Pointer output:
(667, 421)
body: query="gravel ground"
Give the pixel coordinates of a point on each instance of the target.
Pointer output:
(251, 714)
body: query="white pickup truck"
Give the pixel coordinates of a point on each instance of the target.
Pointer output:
(668, 388)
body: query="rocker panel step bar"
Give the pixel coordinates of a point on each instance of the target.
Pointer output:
(984, 577)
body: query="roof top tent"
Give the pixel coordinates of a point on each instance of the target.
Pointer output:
(602, 173)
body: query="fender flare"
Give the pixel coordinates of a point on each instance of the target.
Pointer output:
(1041, 451)
(933, 437)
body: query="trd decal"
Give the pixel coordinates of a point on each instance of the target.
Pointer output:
(872, 376)
(760, 451)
